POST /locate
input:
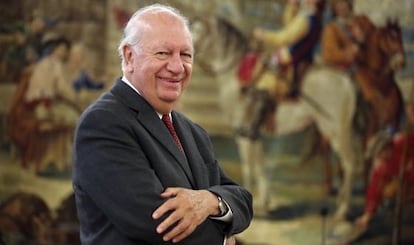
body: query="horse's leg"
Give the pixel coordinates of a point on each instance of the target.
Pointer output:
(327, 182)
(253, 171)
(345, 193)
(246, 133)
(252, 114)
(262, 184)
(246, 156)
(343, 144)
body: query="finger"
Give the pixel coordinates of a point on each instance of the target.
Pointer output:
(231, 240)
(170, 221)
(183, 235)
(170, 192)
(164, 208)
(183, 229)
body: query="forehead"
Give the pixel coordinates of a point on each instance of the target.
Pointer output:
(166, 30)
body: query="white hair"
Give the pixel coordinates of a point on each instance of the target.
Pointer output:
(134, 28)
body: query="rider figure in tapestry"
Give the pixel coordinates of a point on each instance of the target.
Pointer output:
(278, 73)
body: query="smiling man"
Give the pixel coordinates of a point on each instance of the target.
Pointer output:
(144, 173)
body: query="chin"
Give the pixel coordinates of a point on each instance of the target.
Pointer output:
(170, 96)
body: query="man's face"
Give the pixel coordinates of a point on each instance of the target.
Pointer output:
(37, 25)
(160, 66)
(61, 51)
(342, 9)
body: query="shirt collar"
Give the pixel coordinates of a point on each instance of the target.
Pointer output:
(125, 80)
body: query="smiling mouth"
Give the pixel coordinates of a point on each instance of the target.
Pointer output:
(171, 83)
(169, 80)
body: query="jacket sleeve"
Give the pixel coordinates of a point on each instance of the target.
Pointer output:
(240, 202)
(236, 196)
(114, 178)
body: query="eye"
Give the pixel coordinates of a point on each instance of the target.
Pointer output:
(162, 55)
(188, 57)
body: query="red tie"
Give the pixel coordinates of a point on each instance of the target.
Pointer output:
(167, 121)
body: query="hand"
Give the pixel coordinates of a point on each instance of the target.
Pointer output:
(352, 52)
(258, 33)
(362, 222)
(231, 240)
(189, 208)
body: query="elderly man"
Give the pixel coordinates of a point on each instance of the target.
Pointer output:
(143, 172)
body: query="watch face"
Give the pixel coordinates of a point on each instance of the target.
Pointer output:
(222, 207)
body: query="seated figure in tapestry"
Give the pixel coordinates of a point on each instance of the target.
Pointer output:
(294, 45)
(44, 111)
(370, 55)
(339, 44)
(347, 46)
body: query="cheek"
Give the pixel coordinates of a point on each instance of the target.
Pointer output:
(186, 81)
(189, 71)
(136, 67)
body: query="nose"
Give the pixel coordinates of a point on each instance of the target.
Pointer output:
(175, 64)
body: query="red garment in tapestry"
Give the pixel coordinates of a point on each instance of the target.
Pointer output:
(389, 169)
(246, 68)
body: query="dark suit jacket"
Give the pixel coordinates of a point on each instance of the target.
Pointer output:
(124, 157)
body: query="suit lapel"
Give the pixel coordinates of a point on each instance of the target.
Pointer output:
(157, 128)
(192, 152)
(149, 119)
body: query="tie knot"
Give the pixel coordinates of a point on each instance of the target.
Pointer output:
(166, 119)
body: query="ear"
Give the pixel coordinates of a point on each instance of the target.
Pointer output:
(128, 58)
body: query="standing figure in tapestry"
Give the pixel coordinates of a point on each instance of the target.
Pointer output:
(44, 113)
(392, 174)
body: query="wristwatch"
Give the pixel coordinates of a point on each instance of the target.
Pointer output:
(222, 206)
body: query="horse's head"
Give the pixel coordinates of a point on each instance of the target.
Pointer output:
(391, 45)
(218, 43)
